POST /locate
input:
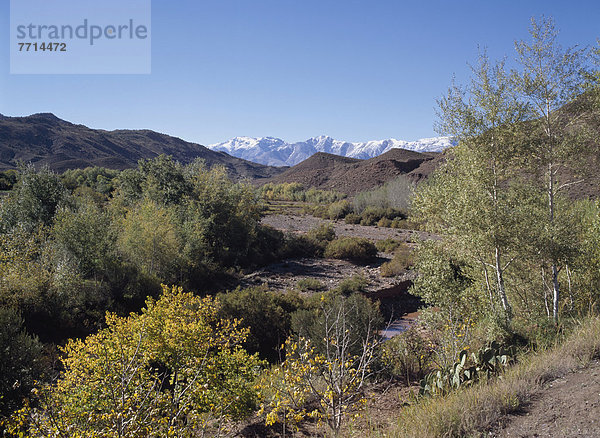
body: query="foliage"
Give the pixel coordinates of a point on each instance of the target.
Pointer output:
(358, 312)
(488, 361)
(352, 218)
(401, 261)
(551, 77)
(174, 370)
(265, 314)
(84, 234)
(356, 283)
(20, 361)
(339, 209)
(33, 201)
(8, 179)
(394, 194)
(148, 239)
(333, 374)
(407, 356)
(388, 245)
(99, 179)
(310, 284)
(297, 192)
(352, 248)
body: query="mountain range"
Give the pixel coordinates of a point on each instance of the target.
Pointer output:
(44, 139)
(276, 152)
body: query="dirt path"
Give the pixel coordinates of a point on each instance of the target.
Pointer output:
(568, 407)
(301, 224)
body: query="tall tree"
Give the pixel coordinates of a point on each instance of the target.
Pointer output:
(471, 200)
(550, 78)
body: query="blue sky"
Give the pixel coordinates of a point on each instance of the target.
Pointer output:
(354, 70)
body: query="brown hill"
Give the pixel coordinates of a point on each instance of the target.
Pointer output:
(44, 139)
(350, 175)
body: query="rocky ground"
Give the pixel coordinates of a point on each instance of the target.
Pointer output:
(303, 223)
(567, 407)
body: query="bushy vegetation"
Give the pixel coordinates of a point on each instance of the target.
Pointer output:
(514, 268)
(8, 179)
(71, 248)
(393, 195)
(297, 192)
(310, 284)
(175, 369)
(351, 248)
(401, 261)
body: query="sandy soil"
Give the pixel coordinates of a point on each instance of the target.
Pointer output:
(567, 407)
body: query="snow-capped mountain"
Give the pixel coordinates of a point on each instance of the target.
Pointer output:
(276, 152)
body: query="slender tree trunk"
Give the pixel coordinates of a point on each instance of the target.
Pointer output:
(555, 284)
(501, 289)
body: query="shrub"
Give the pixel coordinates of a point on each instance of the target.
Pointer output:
(371, 215)
(387, 245)
(404, 224)
(407, 356)
(384, 222)
(395, 194)
(323, 233)
(321, 211)
(356, 283)
(265, 314)
(339, 209)
(401, 261)
(310, 284)
(298, 246)
(21, 360)
(352, 218)
(175, 369)
(352, 248)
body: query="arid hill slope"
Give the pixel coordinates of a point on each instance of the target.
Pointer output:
(349, 175)
(44, 139)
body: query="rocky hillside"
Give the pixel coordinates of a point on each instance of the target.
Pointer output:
(44, 139)
(349, 175)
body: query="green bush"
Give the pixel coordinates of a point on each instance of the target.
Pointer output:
(384, 222)
(393, 194)
(404, 224)
(351, 248)
(323, 233)
(310, 284)
(387, 245)
(266, 314)
(21, 361)
(371, 215)
(352, 218)
(332, 311)
(355, 284)
(407, 356)
(402, 260)
(339, 209)
(320, 211)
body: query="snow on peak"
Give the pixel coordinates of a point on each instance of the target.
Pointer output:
(276, 152)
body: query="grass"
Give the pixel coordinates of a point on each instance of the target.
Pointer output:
(474, 410)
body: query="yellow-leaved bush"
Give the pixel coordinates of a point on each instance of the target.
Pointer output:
(174, 370)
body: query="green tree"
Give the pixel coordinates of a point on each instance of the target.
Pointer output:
(550, 78)
(85, 234)
(149, 239)
(472, 199)
(34, 200)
